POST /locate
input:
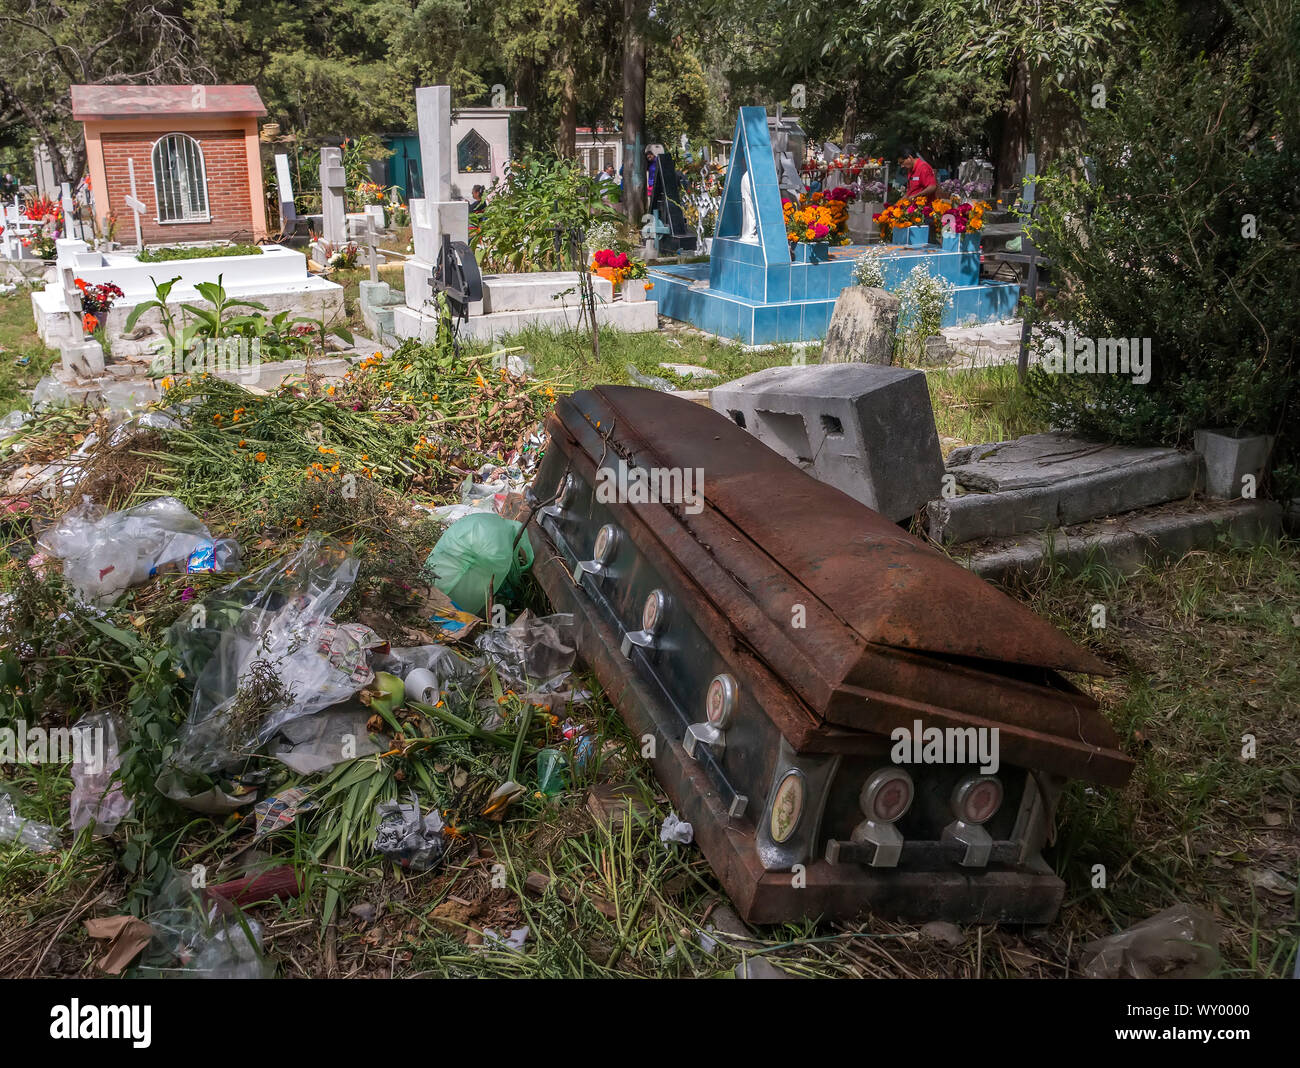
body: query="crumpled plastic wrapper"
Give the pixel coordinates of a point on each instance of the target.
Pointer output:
(676, 830)
(540, 649)
(1180, 943)
(513, 942)
(414, 842)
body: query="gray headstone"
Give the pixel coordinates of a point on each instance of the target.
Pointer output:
(865, 429)
(863, 327)
(333, 186)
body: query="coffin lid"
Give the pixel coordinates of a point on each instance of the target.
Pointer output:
(891, 588)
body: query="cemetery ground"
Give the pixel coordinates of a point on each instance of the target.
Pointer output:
(1204, 647)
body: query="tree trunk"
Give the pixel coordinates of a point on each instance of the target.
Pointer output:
(851, 113)
(1016, 129)
(568, 137)
(634, 58)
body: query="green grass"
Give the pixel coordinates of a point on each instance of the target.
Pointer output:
(18, 343)
(1204, 647)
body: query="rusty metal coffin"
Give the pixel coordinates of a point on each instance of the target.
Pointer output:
(834, 628)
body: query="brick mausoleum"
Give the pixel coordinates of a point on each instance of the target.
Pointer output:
(197, 165)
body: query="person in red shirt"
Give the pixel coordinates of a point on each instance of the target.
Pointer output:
(921, 181)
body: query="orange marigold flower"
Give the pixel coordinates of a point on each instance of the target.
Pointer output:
(260, 457)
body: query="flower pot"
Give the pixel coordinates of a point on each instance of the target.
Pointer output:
(634, 290)
(609, 274)
(811, 251)
(912, 236)
(967, 242)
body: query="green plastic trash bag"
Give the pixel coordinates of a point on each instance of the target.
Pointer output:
(475, 551)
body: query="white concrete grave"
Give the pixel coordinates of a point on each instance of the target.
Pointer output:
(277, 278)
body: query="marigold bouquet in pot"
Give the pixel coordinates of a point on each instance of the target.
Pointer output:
(908, 211)
(615, 266)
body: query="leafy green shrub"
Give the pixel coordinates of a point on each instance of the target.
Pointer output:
(1186, 236)
(173, 252)
(516, 231)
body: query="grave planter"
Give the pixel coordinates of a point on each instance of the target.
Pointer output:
(912, 236)
(967, 242)
(811, 251)
(634, 290)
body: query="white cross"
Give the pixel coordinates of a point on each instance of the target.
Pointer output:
(137, 206)
(370, 249)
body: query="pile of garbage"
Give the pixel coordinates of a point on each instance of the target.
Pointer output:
(324, 679)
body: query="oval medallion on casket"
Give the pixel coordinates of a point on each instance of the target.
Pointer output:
(787, 806)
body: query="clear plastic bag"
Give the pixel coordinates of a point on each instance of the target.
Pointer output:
(50, 393)
(96, 799)
(38, 837)
(474, 552)
(197, 940)
(1179, 943)
(270, 654)
(103, 555)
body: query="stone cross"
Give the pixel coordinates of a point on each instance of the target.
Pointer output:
(333, 185)
(69, 213)
(371, 255)
(72, 298)
(81, 355)
(439, 214)
(136, 205)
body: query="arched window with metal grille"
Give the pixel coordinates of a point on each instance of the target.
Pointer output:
(180, 179)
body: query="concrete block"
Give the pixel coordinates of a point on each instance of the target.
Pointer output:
(84, 359)
(1168, 476)
(1229, 459)
(375, 294)
(415, 283)
(865, 429)
(862, 327)
(379, 321)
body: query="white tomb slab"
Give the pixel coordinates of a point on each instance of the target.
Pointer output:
(277, 277)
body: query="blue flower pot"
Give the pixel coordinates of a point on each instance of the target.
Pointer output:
(911, 235)
(967, 242)
(812, 251)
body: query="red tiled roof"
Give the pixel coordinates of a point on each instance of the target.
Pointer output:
(134, 101)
